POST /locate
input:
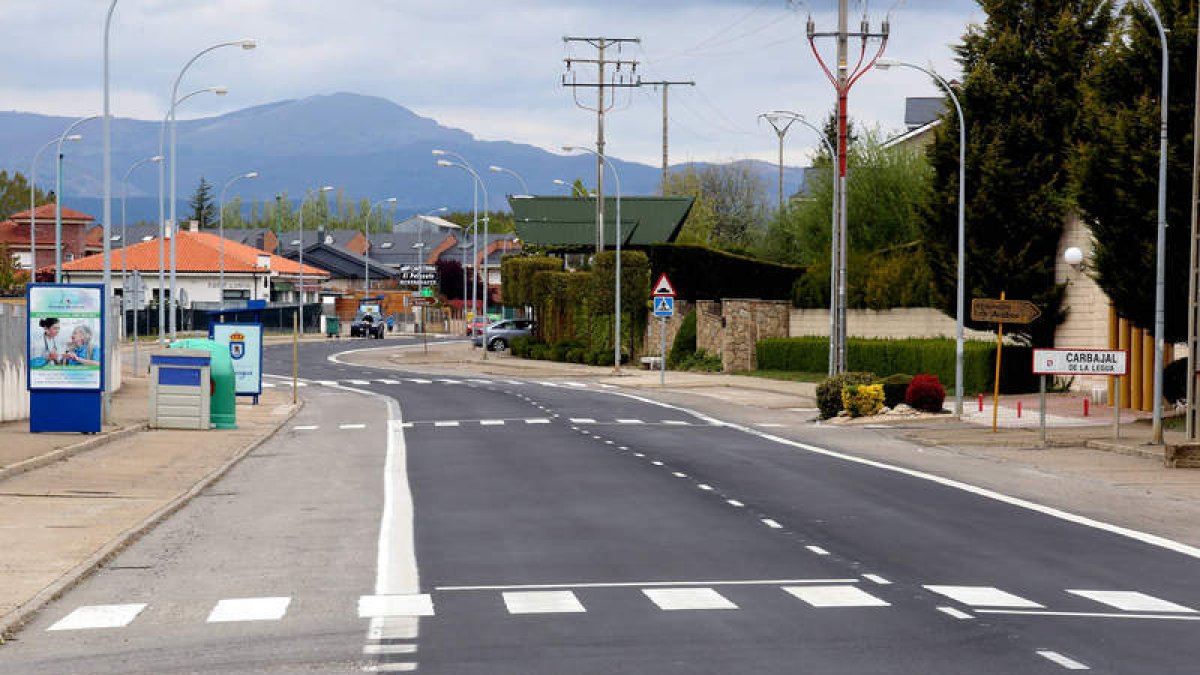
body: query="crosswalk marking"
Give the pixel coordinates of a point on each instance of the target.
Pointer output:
(249, 609)
(957, 614)
(390, 668)
(1132, 601)
(674, 599)
(542, 602)
(379, 606)
(1065, 662)
(268, 385)
(983, 596)
(836, 596)
(99, 616)
(380, 650)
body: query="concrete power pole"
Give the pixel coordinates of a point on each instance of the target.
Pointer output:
(619, 79)
(662, 189)
(842, 81)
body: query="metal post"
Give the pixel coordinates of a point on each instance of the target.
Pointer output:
(1042, 414)
(106, 134)
(1156, 433)
(1194, 266)
(1117, 409)
(662, 351)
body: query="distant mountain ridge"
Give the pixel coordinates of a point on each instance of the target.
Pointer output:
(364, 145)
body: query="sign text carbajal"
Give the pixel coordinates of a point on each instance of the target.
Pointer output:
(1004, 311)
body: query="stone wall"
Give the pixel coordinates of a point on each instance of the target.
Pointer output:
(709, 326)
(747, 322)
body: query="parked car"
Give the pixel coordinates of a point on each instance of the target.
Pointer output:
(499, 335)
(368, 325)
(476, 326)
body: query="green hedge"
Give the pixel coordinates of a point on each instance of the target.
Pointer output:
(702, 273)
(886, 357)
(517, 273)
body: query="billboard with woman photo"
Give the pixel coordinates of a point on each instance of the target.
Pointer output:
(65, 337)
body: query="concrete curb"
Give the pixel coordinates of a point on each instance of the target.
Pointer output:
(12, 621)
(1147, 451)
(68, 451)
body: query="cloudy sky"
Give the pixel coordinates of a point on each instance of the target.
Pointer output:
(491, 67)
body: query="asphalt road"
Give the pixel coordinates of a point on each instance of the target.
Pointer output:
(413, 522)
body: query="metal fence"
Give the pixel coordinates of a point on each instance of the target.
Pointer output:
(275, 318)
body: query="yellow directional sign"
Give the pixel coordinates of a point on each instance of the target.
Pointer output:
(1004, 311)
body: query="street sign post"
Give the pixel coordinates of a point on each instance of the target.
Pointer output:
(1004, 311)
(1111, 362)
(664, 307)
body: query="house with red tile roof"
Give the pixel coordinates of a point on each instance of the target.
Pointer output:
(250, 273)
(76, 241)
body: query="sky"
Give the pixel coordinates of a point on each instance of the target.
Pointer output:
(492, 68)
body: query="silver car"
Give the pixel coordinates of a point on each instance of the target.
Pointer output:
(499, 335)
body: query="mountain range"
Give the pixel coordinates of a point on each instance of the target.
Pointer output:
(365, 146)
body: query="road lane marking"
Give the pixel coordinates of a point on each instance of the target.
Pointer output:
(417, 380)
(446, 381)
(582, 420)
(327, 383)
(352, 426)
(676, 423)
(678, 474)
(445, 424)
(390, 668)
(1055, 657)
(388, 381)
(817, 549)
(542, 602)
(705, 487)
(676, 599)
(1132, 601)
(539, 420)
(1091, 615)
(836, 596)
(650, 584)
(877, 579)
(983, 596)
(249, 609)
(379, 650)
(477, 381)
(358, 383)
(957, 614)
(770, 425)
(99, 616)
(629, 421)
(383, 606)
(656, 463)
(491, 423)
(772, 524)
(734, 502)
(306, 427)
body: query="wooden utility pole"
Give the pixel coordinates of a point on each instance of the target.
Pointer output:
(666, 85)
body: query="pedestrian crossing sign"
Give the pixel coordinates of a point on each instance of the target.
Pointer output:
(664, 306)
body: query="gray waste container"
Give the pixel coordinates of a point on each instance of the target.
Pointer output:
(180, 389)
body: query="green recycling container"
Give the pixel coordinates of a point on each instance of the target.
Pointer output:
(223, 397)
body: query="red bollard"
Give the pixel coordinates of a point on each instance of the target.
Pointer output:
(981, 402)
(1018, 409)
(1085, 407)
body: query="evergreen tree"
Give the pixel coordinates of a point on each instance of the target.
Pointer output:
(14, 194)
(1021, 99)
(1116, 166)
(202, 203)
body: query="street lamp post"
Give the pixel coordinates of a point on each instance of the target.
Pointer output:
(221, 229)
(776, 119)
(162, 217)
(300, 242)
(125, 255)
(474, 224)
(960, 300)
(244, 44)
(58, 199)
(479, 182)
(499, 169)
(33, 206)
(617, 299)
(574, 188)
(367, 247)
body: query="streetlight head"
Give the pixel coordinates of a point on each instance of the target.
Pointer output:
(390, 200)
(327, 188)
(252, 174)
(569, 148)
(495, 168)
(438, 153)
(248, 44)
(441, 210)
(219, 90)
(1073, 256)
(559, 181)
(885, 63)
(156, 159)
(445, 162)
(74, 137)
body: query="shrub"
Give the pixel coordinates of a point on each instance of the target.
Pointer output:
(538, 351)
(925, 393)
(1175, 380)
(895, 388)
(520, 347)
(829, 391)
(576, 354)
(684, 344)
(701, 361)
(862, 400)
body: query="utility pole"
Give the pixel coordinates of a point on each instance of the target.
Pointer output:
(662, 190)
(1193, 355)
(843, 80)
(618, 78)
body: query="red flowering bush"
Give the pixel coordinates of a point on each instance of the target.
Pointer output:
(925, 393)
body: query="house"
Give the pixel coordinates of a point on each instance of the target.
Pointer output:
(249, 273)
(76, 242)
(348, 270)
(418, 224)
(568, 224)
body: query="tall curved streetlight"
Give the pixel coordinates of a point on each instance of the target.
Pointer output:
(499, 169)
(33, 206)
(162, 215)
(221, 228)
(474, 223)
(157, 159)
(367, 248)
(960, 300)
(245, 45)
(58, 198)
(300, 242)
(774, 116)
(617, 297)
(780, 121)
(479, 182)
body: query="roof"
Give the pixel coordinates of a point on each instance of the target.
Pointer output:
(417, 223)
(340, 263)
(921, 110)
(570, 222)
(396, 248)
(46, 211)
(912, 134)
(194, 252)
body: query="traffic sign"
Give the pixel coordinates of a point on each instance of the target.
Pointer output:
(664, 306)
(1080, 362)
(663, 287)
(1004, 311)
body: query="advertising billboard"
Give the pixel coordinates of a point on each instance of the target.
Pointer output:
(66, 337)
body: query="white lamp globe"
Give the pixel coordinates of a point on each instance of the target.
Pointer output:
(1073, 255)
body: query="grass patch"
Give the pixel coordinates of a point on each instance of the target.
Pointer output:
(789, 375)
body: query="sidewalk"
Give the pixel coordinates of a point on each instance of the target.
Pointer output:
(68, 502)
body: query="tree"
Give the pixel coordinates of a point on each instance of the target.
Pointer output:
(1117, 162)
(1021, 98)
(14, 194)
(730, 206)
(12, 277)
(202, 203)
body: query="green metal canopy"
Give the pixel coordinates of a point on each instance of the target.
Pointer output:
(570, 222)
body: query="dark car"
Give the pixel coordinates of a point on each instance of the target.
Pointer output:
(368, 325)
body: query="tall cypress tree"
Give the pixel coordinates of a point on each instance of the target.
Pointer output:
(202, 203)
(1117, 161)
(1021, 99)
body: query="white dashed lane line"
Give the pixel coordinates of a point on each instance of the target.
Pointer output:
(1065, 662)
